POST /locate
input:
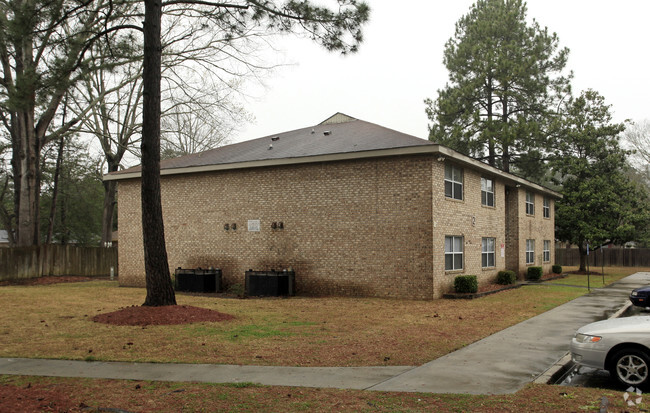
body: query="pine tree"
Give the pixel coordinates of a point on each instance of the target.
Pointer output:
(600, 205)
(504, 78)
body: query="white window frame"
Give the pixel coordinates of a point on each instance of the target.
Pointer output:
(546, 207)
(455, 186)
(488, 251)
(547, 250)
(488, 198)
(530, 251)
(530, 203)
(454, 248)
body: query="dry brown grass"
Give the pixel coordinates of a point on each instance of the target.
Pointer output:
(53, 321)
(81, 395)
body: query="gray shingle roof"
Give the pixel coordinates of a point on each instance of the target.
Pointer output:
(322, 139)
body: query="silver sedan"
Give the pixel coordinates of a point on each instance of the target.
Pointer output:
(619, 345)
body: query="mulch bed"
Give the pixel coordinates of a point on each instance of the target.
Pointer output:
(482, 292)
(495, 288)
(163, 315)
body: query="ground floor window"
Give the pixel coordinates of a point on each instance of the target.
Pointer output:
(547, 251)
(530, 251)
(453, 253)
(487, 252)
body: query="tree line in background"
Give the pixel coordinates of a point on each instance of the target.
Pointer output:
(109, 69)
(508, 102)
(71, 82)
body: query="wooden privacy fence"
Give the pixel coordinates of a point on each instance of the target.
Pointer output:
(45, 260)
(613, 257)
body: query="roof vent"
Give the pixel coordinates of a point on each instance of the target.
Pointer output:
(275, 139)
(312, 131)
(327, 133)
(270, 146)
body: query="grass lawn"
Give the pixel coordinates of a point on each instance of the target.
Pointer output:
(612, 274)
(56, 322)
(62, 394)
(53, 321)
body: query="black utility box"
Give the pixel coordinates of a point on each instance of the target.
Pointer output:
(270, 283)
(198, 280)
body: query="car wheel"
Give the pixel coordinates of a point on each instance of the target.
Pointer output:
(631, 367)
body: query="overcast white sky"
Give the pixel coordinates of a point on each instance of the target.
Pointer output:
(400, 64)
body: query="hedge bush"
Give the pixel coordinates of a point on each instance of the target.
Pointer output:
(466, 284)
(506, 277)
(557, 269)
(534, 273)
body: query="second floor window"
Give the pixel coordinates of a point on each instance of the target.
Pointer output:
(453, 182)
(487, 192)
(530, 203)
(546, 207)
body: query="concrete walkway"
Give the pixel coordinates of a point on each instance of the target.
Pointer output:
(501, 363)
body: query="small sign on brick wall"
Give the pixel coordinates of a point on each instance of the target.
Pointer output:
(254, 225)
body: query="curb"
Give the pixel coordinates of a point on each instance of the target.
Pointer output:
(565, 364)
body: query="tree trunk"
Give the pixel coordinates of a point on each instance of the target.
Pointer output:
(55, 192)
(491, 148)
(583, 257)
(158, 280)
(505, 150)
(26, 149)
(27, 209)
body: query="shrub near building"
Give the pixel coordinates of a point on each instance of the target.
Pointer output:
(466, 284)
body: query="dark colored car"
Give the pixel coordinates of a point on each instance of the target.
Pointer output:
(640, 297)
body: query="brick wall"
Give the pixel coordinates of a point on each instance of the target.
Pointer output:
(350, 228)
(512, 229)
(372, 227)
(471, 220)
(524, 226)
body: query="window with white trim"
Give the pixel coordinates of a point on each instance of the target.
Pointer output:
(453, 253)
(487, 192)
(546, 207)
(488, 254)
(547, 250)
(530, 203)
(453, 182)
(530, 251)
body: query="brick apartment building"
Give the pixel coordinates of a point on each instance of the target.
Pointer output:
(354, 208)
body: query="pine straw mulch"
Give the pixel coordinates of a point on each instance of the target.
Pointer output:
(164, 315)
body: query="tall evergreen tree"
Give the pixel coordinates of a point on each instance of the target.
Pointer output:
(505, 76)
(600, 204)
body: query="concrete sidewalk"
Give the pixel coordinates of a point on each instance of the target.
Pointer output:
(501, 363)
